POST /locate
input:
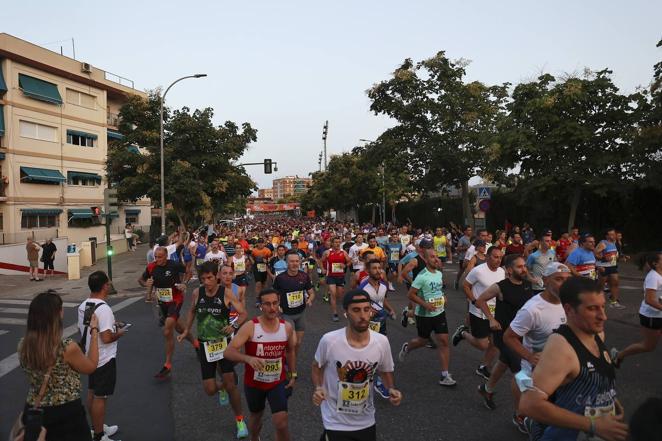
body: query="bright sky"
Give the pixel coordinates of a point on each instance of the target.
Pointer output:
(287, 66)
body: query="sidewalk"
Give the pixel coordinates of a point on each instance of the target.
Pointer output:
(127, 268)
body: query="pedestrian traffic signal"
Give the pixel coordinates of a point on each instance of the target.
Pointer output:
(109, 250)
(325, 130)
(96, 211)
(267, 166)
(110, 200)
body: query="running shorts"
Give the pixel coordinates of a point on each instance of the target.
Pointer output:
(367, 434)
(102, 381)
(650, 322)
(208, 369)
(426, 325)
(480, 328)
(506, 355)
(240, 280)
(170, 309)
(338, 281)
(277, 397)
(260, 277)
(297, 320)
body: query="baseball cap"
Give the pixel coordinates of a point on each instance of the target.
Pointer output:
(351, 297)
(479, 243)
(554, 267)
(425, 243)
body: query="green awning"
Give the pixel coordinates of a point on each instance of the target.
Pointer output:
(114, 135)
(82, 134)
(133, 149)
(39, 89)
(3, 85)
(41, 175)
(2, 120)
(41, 211)
(132, 211)
(80, 213)
(83, 175)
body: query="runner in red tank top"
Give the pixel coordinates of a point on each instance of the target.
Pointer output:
(334, 263)
(267, 341)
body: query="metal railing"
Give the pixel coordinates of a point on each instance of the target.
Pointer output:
(39, 235)
(113, 119)
(118, 79)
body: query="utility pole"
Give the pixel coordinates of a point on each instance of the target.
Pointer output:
(325, 132)
(383, 193)
(110, 208)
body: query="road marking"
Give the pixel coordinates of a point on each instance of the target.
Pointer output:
(10, 363)
(27, 302)
(14, 310)
(3, 332)
(12, 321)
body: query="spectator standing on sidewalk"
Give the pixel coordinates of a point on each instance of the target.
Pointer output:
(128, 233)
(32, 249)
(101, 383)
(48, 257)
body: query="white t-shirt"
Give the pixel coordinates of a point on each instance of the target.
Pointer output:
(107, 351)
(471, 252)
(128, 233)
(482, 277)
(171, 248)
(354, 254)
(653, 280)
(356, 369)
(219, 255)
(535, 322)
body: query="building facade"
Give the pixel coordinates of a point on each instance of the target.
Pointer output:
(290, 185)
(265, 193)
(56, 116)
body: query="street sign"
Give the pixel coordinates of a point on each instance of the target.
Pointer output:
(479, 223)
(484, 193)
(484, 205)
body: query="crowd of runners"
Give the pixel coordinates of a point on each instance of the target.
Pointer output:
(535, 306)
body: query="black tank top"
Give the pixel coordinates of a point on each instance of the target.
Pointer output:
(212, 314)
(420, 267)
(514, 297)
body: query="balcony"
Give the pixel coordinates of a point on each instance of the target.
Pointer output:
(113, 119)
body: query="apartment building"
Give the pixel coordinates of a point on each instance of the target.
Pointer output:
(290, 185)
(265, 193)
(56, 116)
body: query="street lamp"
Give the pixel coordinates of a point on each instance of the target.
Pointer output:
(163, 211)
(383, 184)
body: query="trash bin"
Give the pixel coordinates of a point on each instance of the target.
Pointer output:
(73, 265)
(93, 241)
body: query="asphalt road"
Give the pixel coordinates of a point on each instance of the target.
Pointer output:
(178, 409)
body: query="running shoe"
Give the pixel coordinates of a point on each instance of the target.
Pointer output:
(242, 430)
(403, 352)
(335, 318)
(411, 321)
(391, 287)
(521, 423)
(483, 371)
(404, 320)
(613, 354)
(381, 390)
(488, 397)
(163, 373)
(110, 430)
(431, 344)
(223, 397)
(447, 381)
(455, 285)
(457, 335)
(326, 298)
(616, 304)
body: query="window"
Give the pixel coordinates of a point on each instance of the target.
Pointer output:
(2, 222)
(29, 220)
(84, 179)
(81, 99)
(131, 219)
(81, 223)
(81, 139)
(29, 129)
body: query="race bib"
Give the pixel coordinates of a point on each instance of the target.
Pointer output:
(492, 308)
(261, 267)
(597, 412)
(214, 349)
(294, 299)
(337, 267)
(438, 301)
(271, 371)
(164, 294)
(352, 397)
(199, 262)
(375, 326)
(240, 267)
(395, 255)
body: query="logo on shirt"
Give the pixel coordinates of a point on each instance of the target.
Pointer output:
(356, 371)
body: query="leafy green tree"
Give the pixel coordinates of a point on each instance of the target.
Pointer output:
(445, 126)
(200, 178)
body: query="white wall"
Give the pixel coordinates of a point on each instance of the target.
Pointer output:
(14, 258)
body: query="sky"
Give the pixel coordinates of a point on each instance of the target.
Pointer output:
(288, 66)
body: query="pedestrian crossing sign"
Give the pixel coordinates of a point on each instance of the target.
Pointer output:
(484, 193)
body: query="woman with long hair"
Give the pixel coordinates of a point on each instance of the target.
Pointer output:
(44, 349)
(650, 312)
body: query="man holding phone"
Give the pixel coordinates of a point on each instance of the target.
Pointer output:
(102, 381)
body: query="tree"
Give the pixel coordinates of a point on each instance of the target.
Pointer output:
(200, 179)
(445, 126)
(568, 136)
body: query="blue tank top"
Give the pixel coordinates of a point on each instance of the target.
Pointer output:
(609, 255)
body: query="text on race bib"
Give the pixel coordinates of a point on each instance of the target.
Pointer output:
(271, 371)
(240, 267)
(337, 267)
(375, 326)
(261, 267)
(214, 349)
(199, 262)
(438, 301)
(395, 255)
(294, 299)
(352, 397)
(164, 294)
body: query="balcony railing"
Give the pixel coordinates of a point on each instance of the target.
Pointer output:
(113, 119)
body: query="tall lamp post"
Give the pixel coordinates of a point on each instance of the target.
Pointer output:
(383, 186)
(163, 211)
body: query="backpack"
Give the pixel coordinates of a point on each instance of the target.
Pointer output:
(83, 340)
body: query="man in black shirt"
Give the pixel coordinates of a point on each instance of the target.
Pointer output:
(48, 257)
(511, 294)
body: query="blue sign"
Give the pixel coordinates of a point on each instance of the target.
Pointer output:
(484, 193)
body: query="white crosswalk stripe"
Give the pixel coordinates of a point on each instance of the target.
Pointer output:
(8, 314)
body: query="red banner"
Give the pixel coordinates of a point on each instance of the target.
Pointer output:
(257, 208)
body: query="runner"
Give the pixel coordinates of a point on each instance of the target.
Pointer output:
(581, 260)
(441, 245)
(346, 362)
(277, 264)
(260, 256)
(650, 311)
(296, 293)
(165, 276)
(479, 336)
(355, 253)
(334, 262)
(394, 251)
(215, 254)
(408, 268)
(426, 291)
(538, 261)
(511, 294)
(266, 339)
(463, 245)
(200, 250)
(516, 246)
(607, 255)
(241, 265)
(210, 307)
(573, 395)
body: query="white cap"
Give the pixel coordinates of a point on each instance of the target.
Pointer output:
(554, 267)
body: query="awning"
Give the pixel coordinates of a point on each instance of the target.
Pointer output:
(41, 211)
(82, 134)
(2, 119)
(80, 213)
(132, 211)
(3, 85)
(39, 89)
(2, 156)
(41, 175)
(114, 135)
(133, 149)
(83, 175)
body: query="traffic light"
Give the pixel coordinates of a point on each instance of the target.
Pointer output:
(96, 211)
(109, 250)
(267, 166)
(110, 200)
(325, 130)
